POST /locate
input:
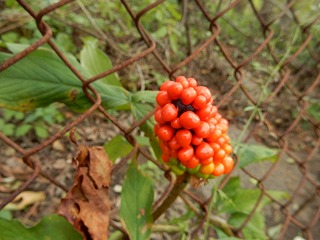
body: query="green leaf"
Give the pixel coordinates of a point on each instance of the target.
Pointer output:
(22, 130)
(136, 203)
(41, 130)
(2, 124)
(41, 78)
(144, 96)
(51, 227)
(250, 153)
(143, 141)
(232, 186)
(156, 150)
(139, 111)
(161, 32)
(16, 47)
(96, 62)
(5, 214)
(117, 147)
(255, 229)
(242, 201)
(8, 129)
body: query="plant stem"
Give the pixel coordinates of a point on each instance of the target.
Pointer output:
(180, 184)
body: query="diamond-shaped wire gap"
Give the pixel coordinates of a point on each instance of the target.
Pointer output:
(166, 24)
(145, 36)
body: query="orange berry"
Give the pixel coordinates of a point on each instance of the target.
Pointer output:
(228, 164)
(219, 169)
(227, 148)
(220, 154)
(207, 169)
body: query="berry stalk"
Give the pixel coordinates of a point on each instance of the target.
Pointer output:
(180, 184)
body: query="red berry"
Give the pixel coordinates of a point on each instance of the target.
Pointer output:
(165, 157)
(158, 118)
(189, 120)
(174, 153)
(188, 95)
(214, 111)
(173, 144)
(204, 151)
(176, 123)
(163, 98)
(218, 117)
(185, 154)
(196, 140)
(164, 147)
(222, 127)
(202, 90)
(169, 112)
(165, 133)
(204, 113)
(215, 146)
(220, 154)
(221, 140)
(175, 90)
(192, 163)
(183, 137)
(184, 83)
(213, 121)
(206, 161)
(156, 128)
(203, 130)
(199, 102)
(166, 85)
(192, 82)
(180, 78)
(214, 136)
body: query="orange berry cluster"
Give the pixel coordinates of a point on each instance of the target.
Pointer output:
(193, 135)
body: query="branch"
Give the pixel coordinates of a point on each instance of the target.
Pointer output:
(180, 184)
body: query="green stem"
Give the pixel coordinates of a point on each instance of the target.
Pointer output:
(180, 184)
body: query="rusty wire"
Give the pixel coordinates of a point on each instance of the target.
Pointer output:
(281, 137)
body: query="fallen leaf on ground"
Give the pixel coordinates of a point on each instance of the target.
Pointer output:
(87, 203)
(25, 199)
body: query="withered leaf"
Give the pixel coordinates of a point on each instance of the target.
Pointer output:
(87, 203)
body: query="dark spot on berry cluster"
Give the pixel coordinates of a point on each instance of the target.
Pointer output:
(182, 108)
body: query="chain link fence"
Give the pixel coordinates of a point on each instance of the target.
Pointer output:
(243, 69)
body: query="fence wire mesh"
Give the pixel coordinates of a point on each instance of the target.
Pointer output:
(242, 68)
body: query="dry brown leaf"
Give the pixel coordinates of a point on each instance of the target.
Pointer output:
(25, 199)
(87, 203)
